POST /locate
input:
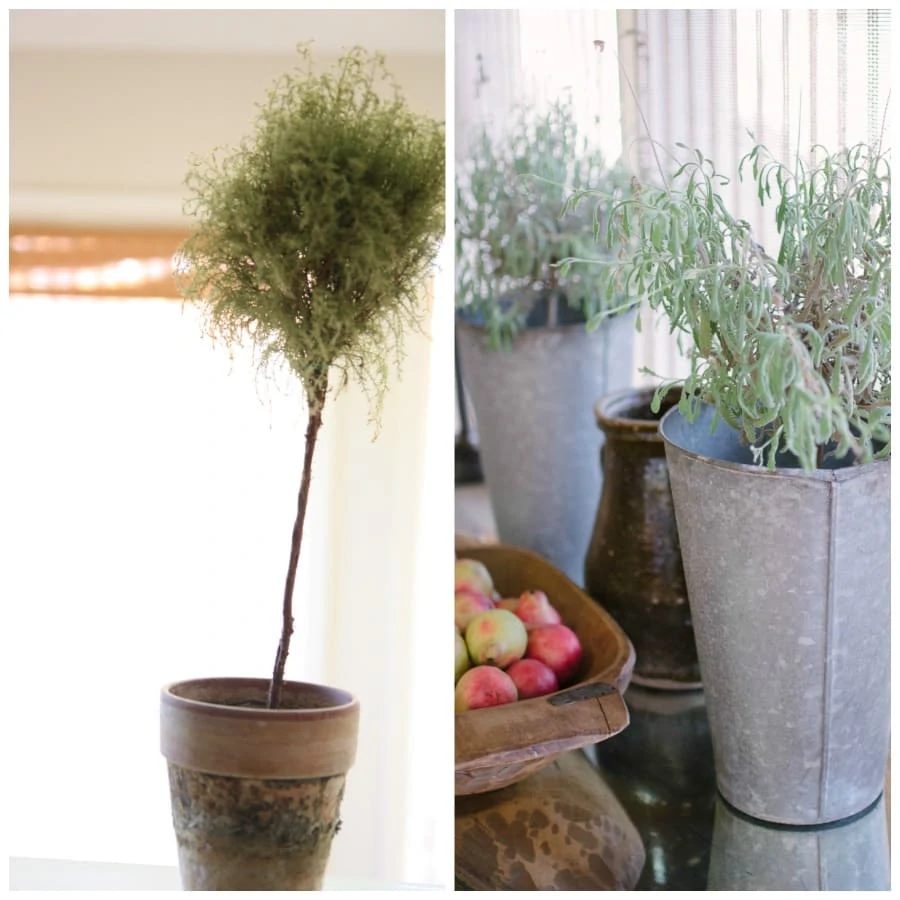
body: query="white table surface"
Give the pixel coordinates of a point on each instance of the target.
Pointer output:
(27, 874)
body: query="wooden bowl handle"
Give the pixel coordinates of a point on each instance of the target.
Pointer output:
(499, 734)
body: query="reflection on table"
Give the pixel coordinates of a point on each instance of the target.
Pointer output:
(661, 769)
(748, 855)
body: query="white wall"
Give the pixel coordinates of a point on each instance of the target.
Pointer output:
(152, 496)
(107, 136)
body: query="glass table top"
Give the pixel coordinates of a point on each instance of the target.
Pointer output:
(662, 772)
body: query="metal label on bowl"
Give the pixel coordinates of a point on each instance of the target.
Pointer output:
(582, 692)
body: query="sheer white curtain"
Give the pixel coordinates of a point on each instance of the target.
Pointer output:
(146, 520)
(794, 78)
(149, 489)
(504, 57)
(151, 495)
(706, 78)
(507, 57)
(700, 77)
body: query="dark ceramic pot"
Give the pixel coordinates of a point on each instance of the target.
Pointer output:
(633, 564)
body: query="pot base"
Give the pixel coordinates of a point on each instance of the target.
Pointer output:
(801, 823)
(665, 684)
(244, 834)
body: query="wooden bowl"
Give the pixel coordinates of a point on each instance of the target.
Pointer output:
(501, 745)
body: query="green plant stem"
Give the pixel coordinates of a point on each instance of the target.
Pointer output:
(553, 300)
(317, 401)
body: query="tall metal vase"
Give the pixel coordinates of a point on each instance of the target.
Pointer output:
(537, 437)
(789, 576)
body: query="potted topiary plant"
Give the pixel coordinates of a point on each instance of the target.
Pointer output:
(312, 243)
(779, 459)
(531, 368)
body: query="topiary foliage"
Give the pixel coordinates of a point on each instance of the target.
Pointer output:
(315, 235)
(314, 238)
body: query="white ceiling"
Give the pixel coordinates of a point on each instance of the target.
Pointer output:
(227, 31)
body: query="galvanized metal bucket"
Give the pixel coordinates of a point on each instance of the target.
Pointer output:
(789, 580)
(536, 430)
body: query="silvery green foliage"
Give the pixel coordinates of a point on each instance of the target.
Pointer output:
(314, 237)
(513, 226)
(793, 346)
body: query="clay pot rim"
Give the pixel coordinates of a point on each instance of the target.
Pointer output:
(607, 412)
(306, 714)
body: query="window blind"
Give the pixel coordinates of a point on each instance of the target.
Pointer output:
(93, 262)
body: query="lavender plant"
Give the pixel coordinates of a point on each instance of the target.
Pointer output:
(313, 241)
(792, 346)
(513, 227)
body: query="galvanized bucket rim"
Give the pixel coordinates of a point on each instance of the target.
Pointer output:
(533, 331)
(846, 473)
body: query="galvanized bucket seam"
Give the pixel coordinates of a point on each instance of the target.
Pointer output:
(829, 640)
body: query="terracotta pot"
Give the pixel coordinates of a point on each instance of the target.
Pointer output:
(633, 564)
(256, 792)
